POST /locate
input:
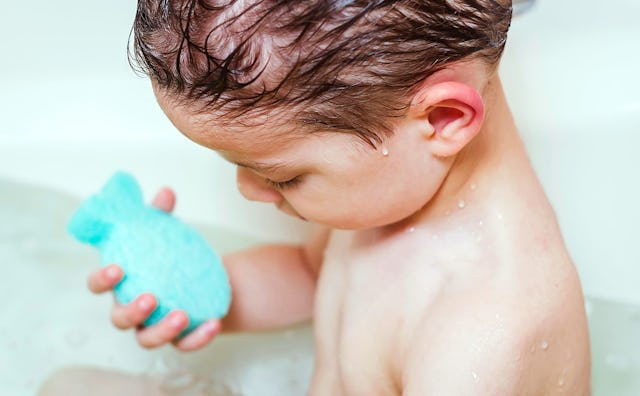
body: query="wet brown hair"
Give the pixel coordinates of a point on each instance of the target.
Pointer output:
(344, 65)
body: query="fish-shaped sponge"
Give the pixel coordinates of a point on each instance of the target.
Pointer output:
(157, 252)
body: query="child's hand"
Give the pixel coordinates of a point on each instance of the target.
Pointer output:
(133, 314)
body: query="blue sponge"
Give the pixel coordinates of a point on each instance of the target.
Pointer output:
(158, 253)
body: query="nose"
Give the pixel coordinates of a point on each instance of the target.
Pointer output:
(255, 188)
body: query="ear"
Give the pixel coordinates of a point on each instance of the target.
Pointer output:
(452, 114)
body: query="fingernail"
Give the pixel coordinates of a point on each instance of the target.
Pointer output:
(144, 304)
(177, 321)
(113, 273)
(209, 327)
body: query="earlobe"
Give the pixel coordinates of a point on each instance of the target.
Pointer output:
(453, 112)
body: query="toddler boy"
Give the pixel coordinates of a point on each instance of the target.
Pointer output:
(438, 267)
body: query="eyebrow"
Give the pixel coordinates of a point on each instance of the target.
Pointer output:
(263, 166)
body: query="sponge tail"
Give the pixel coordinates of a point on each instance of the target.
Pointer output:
(96, 218)
(88, 225)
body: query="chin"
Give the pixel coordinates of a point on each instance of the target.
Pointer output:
(362, 224)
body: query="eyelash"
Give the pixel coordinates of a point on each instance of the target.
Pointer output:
(285, 184)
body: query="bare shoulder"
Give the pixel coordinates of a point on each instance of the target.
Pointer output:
(507, 336)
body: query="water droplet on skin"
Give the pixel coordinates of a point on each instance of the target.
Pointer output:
(473, 186)
(411, 229)
(544, 345)
(461, 204)
(475, 376)
(481, 223)
(385, 151)
(561, 381)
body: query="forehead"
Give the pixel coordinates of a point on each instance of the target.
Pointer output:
(252, 133)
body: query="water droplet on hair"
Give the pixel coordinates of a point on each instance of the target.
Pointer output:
(385, 151)
(461, 204)
(544, 345)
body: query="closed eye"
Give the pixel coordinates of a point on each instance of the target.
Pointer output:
(284, 185)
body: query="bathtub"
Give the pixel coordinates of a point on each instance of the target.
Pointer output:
(73, 112)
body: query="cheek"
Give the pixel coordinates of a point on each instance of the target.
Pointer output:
(369, 200)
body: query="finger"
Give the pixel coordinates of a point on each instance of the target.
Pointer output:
(134, 313)
(164, 331)
(105, 278)
(165, 200)
(200, 337)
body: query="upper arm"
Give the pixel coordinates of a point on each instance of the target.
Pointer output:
(313, 249)
(273, 285)
(479, 351)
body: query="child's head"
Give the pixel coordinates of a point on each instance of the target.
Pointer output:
(251, 78)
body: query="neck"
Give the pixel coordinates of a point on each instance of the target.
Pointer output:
(495, 150)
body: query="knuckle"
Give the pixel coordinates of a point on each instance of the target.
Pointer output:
(148, 340)
(147, 344)
(120, 319)
(119, 324)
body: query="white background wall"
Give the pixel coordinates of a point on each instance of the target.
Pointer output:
(72, 112)
(571, 74)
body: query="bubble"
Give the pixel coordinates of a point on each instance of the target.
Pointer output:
(177, 381)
